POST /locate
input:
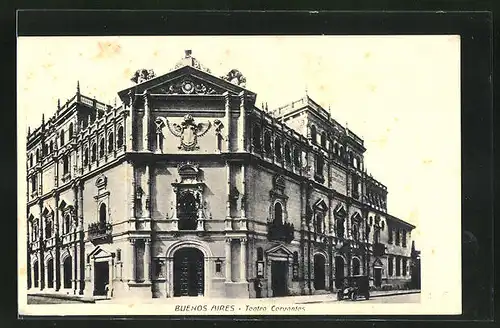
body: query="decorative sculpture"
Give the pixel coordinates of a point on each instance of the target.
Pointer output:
(188, 131)
(234, 76)
(142, 75)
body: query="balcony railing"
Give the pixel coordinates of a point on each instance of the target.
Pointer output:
(378, 249)
(280, 231)
(99, 231)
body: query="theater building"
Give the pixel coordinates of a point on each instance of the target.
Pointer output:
(188, 188)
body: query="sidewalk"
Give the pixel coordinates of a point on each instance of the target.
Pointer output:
(63, 296)
(300, 299)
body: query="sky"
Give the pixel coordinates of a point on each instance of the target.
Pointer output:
(401, 94)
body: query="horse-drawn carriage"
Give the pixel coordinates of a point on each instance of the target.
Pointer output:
(354, 287)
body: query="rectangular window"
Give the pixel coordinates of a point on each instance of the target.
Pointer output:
(398, 266)
(404, 267)
(397, 236)
(391, 266)
(391, 231)
(404, 238)
(218, 267)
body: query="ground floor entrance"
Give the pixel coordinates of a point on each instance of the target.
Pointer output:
(339, 271)
(279, 278)
(189, 272)
(319, 272)
(377, 277)
(101, 278)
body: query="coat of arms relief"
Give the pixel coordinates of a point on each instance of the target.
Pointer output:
(188, 131)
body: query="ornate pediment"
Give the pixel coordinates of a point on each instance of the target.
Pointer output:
(99, 252)
(187, 85)
(280, 251)
(321, 205)
(101, 182)
(356, 217)
(340, 211)
(377, 263)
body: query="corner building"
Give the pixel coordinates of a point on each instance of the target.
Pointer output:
(188, 188)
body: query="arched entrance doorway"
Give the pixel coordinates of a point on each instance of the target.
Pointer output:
(67, 272)
(319, 272)
(189, 272)
(339, 271)
(50, 273)
(355, 266)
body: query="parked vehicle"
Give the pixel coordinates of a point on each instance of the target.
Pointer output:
(354, 287)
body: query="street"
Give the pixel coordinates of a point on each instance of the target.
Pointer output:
(406, 298)
(32, 299)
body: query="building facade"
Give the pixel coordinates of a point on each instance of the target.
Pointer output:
(188, 188)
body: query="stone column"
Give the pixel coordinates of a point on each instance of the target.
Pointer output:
(241, 123)
(32, 275)
(228, 120)
(131, 260)
(129, 124)
(243, 259)
(145, 121)
(45, 274)
(147, 260)
(146, 188)
(228, 259)
(132, 186)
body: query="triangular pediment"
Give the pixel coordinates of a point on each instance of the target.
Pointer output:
(99, 252)
(279, 250)
(340, 211)
(186, 80)
(377, 263)
(321, 205)
(356, 217)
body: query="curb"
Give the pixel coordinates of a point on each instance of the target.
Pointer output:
(395, 294)
(66, 297)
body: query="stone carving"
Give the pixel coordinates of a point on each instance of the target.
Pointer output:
(187, 86)
(188, 132)
(142, 75)
(235, 77)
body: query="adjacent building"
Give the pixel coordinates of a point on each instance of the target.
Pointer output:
(188, 188)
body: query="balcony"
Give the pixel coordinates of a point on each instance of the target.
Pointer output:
(100, 232)
(378, 249)
(280, 231)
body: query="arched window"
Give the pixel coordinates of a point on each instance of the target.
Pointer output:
(342, 153)
(337, 151)
(220, 139)
(355, 162)
(355, 266)
(48, 229)
(355, 232)
(35, 274)
(102, 214)
(110, 142)
(339, 227)
(86, 157)
(260, 254)
(351, 158)
(319, 222)
(256, 135)
(51, 149)
(101, 148)
(288, 154)
(277, 148)
(67, 223)
(323, 139)
(31, 160)
(267, 143)
(62, 138)
(278, 214)
(119, 141)
(376, 236)
(313, 134)
(37, 156)
(66, 164)
(296, 157)
(33, 184)
(319, 164)
(94, 152)
(70, 131)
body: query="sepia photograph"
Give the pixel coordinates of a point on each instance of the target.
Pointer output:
(239, 175)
